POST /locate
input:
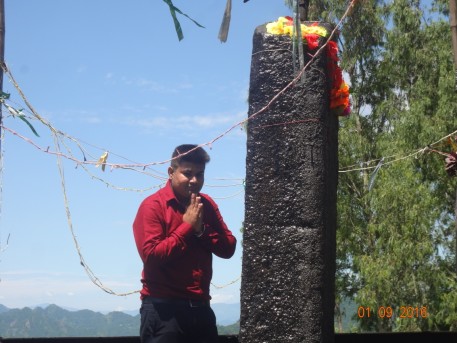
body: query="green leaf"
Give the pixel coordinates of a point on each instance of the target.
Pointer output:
(22, 117)
(173, 10)
(4, 96)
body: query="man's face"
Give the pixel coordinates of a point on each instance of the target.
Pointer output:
(186, 179)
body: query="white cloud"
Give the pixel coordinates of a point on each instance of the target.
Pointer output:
(29, 273)
(23, 288)
(151, 85)
(70, 115)
(224, 298)
(91, 119)
(145, 84)
(161, 122)
(81, 69)
(161, 108)
(185, 85)
(188, 122)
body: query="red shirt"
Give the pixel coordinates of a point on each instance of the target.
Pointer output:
(176, 263)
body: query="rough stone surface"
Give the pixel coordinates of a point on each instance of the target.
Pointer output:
(287, 290)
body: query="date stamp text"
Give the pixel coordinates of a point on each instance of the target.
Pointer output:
(402, 312)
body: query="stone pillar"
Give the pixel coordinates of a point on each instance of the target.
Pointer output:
(289, 248)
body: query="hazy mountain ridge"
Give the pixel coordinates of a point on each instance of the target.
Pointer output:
(3, 308)
(54, 321)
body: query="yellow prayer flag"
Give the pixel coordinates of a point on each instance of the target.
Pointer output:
(102, 160)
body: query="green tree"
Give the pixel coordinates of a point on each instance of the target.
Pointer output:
(395, 233)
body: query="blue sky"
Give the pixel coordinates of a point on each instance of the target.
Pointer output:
(113, 74)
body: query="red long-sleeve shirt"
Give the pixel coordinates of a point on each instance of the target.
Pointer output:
(176, 263)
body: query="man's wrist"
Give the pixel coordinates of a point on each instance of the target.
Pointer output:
(201, 232)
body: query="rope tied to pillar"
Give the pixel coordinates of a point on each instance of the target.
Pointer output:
(298, 57)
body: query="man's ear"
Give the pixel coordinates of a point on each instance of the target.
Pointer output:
(170, 172)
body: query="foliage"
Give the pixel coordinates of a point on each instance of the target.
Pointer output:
(396, 225)
(233, 329)
(344, 321)
(16, 113)
(173, 11)
(396, 228)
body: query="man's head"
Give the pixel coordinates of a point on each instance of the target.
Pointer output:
(187, 170)
(189, 153)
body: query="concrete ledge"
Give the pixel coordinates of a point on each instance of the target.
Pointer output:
(400, 337)
(222, 339)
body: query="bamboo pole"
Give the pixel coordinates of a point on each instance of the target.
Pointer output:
(2, 54)
(2, 61)
(453, 20)
(303, 9)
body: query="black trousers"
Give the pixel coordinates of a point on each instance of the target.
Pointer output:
(177, 322)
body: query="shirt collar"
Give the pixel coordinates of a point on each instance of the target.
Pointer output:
(168, 192)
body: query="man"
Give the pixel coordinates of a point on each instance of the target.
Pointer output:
(176, 231)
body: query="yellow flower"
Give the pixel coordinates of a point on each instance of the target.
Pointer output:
(102, 160)
(288, 30)
(274, 28)
(277, 27)
(318, 30)
(284, 25)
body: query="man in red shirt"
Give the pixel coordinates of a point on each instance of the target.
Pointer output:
(176, 231)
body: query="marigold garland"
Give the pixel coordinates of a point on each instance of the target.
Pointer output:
(284, 25)
(339, 95)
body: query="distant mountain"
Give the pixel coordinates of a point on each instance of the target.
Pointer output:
(348, 323)
(54, 321)
(44, 305)
(226, 314)
(133, 313)
(233, 329)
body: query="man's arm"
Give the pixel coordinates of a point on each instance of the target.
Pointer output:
(217, 238)
(149, 231)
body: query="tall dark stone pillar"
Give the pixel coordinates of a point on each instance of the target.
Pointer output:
(287, 289)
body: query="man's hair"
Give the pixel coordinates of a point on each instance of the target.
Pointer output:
(189, 153)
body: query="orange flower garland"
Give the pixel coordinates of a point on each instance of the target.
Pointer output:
(339, 94)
